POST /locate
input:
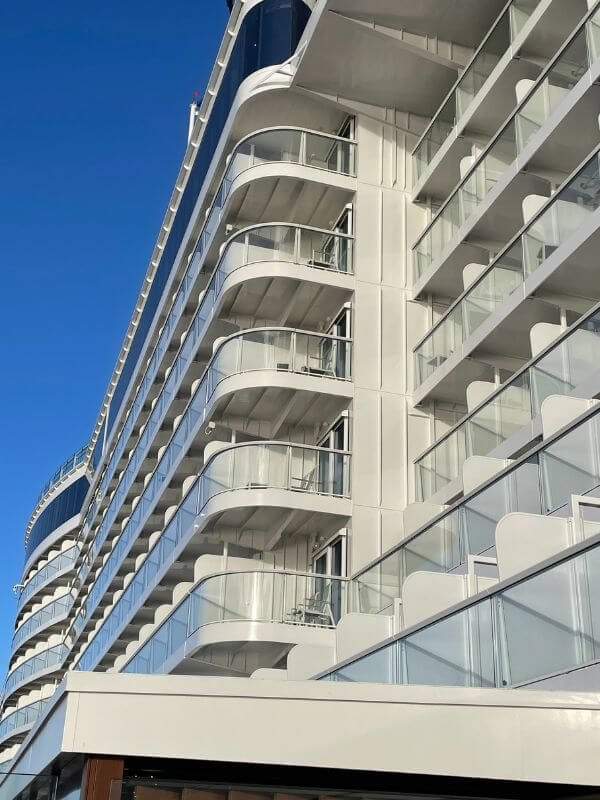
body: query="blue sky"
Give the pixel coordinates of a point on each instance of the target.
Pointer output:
(93, 124)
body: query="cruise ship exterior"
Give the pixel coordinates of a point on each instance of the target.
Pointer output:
(336, 532)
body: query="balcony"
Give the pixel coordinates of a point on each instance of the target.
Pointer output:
(21, 720)
(303, 156)
(286, 488)
(268, 248)
(323, 253)
(326, 255)
(563, 368)
(539, 483)
(483, 211)
(33, 668)
(281, 365)
(50, 614)
(229, 622)
(520, 42)
(561, 234)
(488, 641)
(58, 567)
(486, 58)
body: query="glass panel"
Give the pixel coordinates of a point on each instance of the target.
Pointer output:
(435, 136)
(493, 289)
(377, 667)
(438, 549)
(457, 651)
(376, 589)
(541, 612)
(272, 146)
(275, 243)
(326, 153)
(589, 565)
(482, 513)
(570, 464)
(502, 34)
(593, 37)
(483, 64)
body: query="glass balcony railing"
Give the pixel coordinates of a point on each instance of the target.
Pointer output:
(292, 244)
(292, 598)
(22, 718)
(559, 370)
(486, 58)
(277, 349)
(70, 464)
(489, 643)
(37, 664)
(51, 612)
(310, 246)
(283, 350)
(550, 90)
(277, 145)
(566, 211)
(256, 244)
(59, 564)
(541, 483)
(270, 465)
(276, 243)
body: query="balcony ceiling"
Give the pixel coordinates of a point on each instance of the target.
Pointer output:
(462, 21)
(347, 59)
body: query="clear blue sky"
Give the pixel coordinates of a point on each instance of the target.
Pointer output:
(93, 124)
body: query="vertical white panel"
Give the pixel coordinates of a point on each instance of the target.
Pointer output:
(368, 223)
(366, 448)
(366, 537)
(370, 144)
(367, 317)
(393, 344)
(393, 467)
(393, 238)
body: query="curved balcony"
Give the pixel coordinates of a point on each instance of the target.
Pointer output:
(324, 254)
(272, 477)
(560, 369)
(21, 720)
(498, 42)
(289, 354)
(58, 566)
(43, 618)
(508, 147)
(557, 222)
(35, 667)
(293, 146)
(245, 52)
(251, 609)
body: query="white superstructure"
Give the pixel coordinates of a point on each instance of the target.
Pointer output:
(352, 435)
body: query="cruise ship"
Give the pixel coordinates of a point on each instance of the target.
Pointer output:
(336, 532)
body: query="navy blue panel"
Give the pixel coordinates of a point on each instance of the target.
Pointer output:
(66, 505)
(268, 35)
(98, 447)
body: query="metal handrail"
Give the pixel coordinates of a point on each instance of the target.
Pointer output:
(519, 107)
(464, 72)
(529, 224)
(560, 339)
